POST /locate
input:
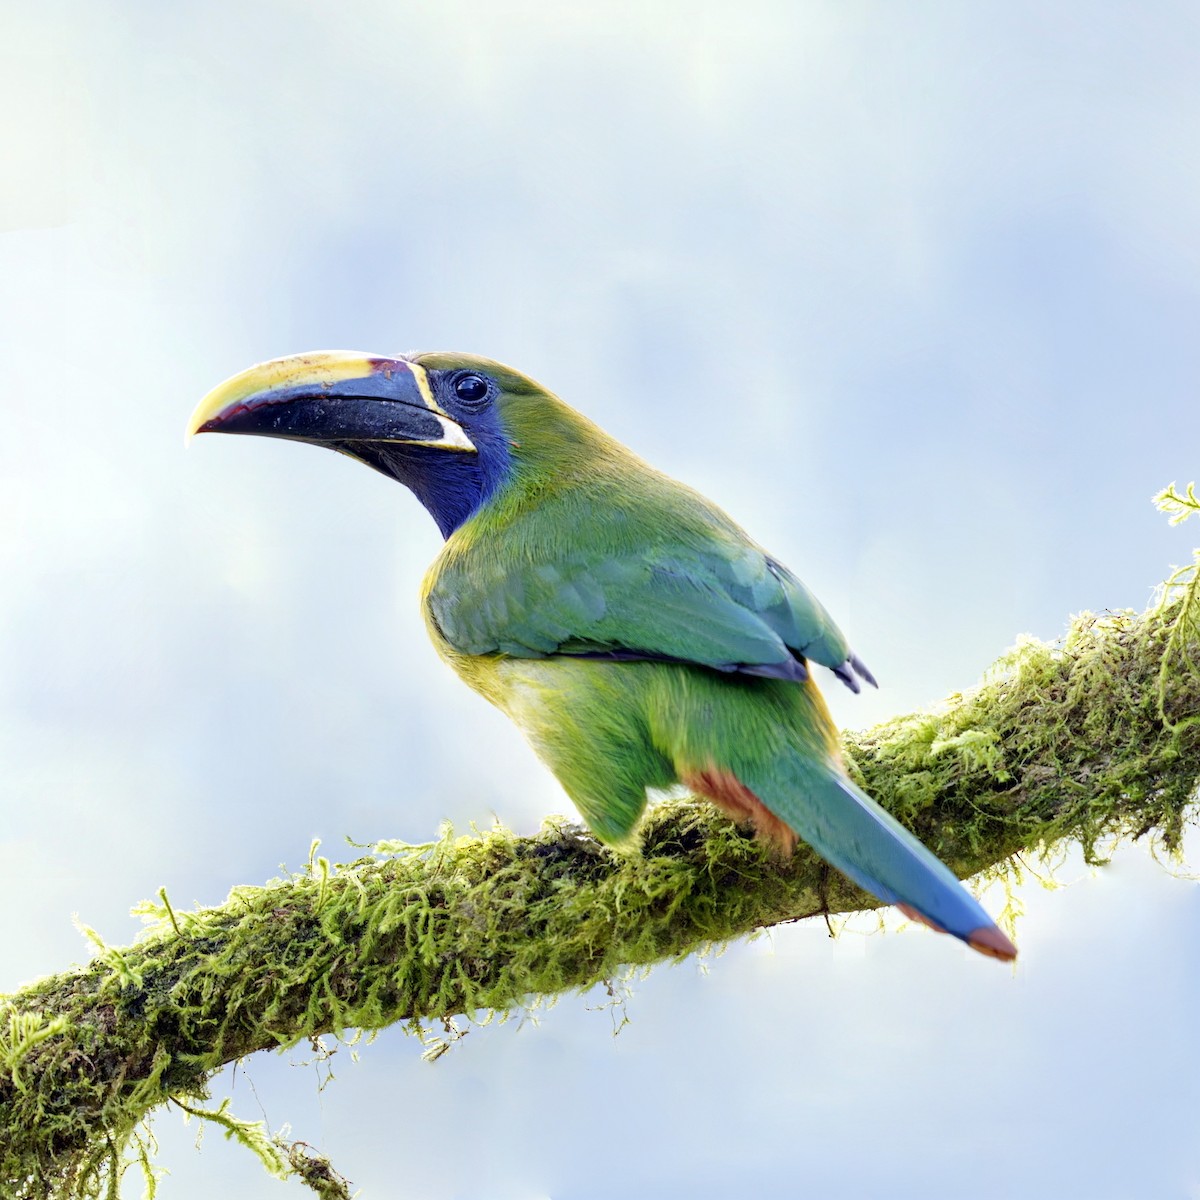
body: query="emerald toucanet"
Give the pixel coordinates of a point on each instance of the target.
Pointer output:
(633, 632)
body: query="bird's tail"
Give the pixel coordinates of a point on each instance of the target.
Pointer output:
(846, 827)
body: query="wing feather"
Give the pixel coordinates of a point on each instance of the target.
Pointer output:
(722, 603)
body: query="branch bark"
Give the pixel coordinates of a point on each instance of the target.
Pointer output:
(1091, 741)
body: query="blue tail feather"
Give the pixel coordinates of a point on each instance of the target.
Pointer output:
(847, 828)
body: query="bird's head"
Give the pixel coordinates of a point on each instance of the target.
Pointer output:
(455, 428)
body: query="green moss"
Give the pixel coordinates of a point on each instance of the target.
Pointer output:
(1090, 741)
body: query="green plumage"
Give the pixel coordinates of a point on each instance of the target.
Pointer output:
(597, 552)
(611, 730)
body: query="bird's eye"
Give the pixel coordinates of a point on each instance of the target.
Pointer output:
(471, 388)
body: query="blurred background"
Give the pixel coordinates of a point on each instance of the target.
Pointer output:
(911, 290)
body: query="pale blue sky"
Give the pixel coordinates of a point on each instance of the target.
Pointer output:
(910, 289)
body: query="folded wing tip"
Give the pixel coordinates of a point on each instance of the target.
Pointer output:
(851, 671)
(861, 669)
(843, 672)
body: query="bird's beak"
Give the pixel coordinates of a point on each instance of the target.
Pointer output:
(333, 398)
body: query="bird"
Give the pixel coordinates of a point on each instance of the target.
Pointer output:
(634, 633)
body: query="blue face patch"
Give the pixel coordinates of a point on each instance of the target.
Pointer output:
(451, 484)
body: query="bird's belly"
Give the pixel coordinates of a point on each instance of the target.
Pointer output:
(611, 731)
(541, 695)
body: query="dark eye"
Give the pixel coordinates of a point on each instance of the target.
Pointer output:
(471, 389)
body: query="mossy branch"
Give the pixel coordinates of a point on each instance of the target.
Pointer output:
(1090, 741)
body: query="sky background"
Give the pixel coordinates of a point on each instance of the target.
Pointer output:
(911, 290)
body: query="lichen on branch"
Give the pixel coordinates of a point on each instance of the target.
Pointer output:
(1089, 741)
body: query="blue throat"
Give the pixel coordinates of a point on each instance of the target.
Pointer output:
(452, 484)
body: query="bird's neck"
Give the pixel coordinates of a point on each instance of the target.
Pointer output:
(451, 485)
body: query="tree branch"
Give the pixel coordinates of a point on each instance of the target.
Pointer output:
(1091, 741)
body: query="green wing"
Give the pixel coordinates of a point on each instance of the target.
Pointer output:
(722, 603)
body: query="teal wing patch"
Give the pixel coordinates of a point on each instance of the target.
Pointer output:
(803, 622)
(738, 610)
